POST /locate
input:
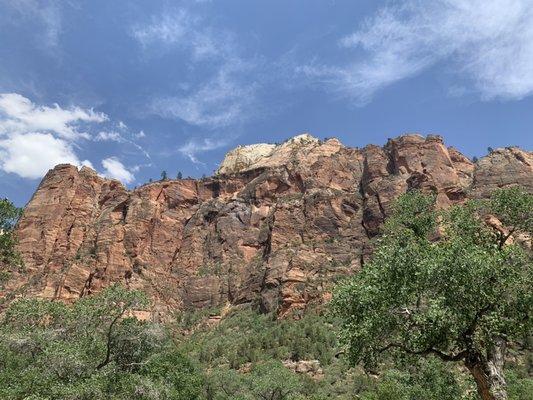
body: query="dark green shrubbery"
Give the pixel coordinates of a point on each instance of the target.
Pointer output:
(93, 349)
(9, 259)
(413, 297)
(247, 336)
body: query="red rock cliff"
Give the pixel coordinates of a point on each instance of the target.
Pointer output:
(276, 226)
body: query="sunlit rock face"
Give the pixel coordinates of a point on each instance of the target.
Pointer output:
(275, 227)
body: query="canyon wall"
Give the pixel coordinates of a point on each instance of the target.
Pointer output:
(276, 226)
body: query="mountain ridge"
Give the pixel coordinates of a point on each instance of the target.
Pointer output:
(275, 229)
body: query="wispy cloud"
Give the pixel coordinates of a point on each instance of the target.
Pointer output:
(195, 146)
(114, 136)
(220, 102)
(487, 42)
(44, 15)
(180, 29)
(226, 95)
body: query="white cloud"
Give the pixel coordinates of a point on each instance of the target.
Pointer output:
(35, 138)
(18, 115)
(116, 170)
(192, 148)
(488, 42)
(31, 155)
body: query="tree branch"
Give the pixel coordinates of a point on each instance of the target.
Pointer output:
(108, 345)
(430, 350)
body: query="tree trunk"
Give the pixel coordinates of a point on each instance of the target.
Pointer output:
(488, 372)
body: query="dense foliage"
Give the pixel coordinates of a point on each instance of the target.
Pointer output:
(9, 259)
(93, 349)
(445, 284)
(242, 354)
(248, 337)
(440, 283)
(52, 351)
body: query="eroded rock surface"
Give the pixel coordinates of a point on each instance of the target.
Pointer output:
(276, 226)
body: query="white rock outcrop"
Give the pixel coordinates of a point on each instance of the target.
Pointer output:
(260, 155)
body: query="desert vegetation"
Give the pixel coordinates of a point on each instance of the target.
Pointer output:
(441, 311)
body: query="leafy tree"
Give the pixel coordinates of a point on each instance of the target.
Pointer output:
(9, 258)
(266, 381)
(180, 175)
(93, 349)
(272, 381)
(461, 298)
(164, 176)
(423, 379)
(9, 215)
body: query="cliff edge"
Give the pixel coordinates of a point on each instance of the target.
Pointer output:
(276, 226)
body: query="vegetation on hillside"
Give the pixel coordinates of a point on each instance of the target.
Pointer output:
(93, 349)
(9, 259)
(442, 285)
(445, 284)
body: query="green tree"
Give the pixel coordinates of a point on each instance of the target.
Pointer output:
(93, 349)
(271, 380)
(461, 298)
(266, 381)
(164, 176)
(180, 175)
(9, 258)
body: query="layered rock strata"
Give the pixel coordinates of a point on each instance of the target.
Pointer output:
(276, 226)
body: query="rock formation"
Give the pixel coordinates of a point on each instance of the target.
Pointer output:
(276, 226)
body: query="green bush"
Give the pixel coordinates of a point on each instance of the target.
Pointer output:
(90, 350)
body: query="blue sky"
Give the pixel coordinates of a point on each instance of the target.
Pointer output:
(132, 88)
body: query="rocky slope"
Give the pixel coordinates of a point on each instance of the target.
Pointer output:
(276, 226)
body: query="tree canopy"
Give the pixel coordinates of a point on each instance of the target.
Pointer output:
(93, 349)
(9, 215)
(444, 283)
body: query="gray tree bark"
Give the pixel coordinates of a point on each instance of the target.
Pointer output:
(487, 371)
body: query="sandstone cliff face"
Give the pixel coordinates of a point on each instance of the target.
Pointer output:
(275, 227)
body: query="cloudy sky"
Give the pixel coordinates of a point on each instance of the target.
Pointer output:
(132, 88)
